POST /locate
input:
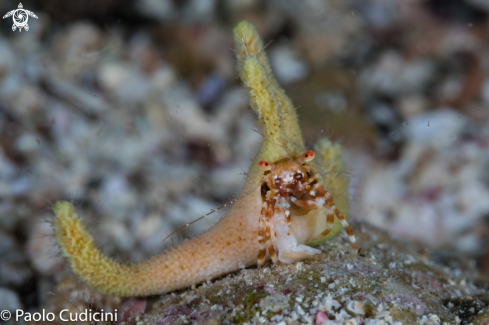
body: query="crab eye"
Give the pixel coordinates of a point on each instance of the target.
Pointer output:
(308, 155)
(264, 165)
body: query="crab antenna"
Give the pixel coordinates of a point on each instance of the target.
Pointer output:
(212, 211)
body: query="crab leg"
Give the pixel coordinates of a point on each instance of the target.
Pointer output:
(321, 197)
(262, 253)
(264, 234)
(329, 224)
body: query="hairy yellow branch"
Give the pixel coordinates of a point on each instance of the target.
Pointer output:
(233, 241)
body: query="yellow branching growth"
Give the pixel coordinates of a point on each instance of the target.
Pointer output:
(281, 132)
(84, 257)
(233, 241)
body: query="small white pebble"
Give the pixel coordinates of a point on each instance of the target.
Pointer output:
(355, 307)
(380, 308)
(300, 311)
(434, 318)
(323, 279)
(298, 299)
(293, 315)
(349, 266)
(331, 285)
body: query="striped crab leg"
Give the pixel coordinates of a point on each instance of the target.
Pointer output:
(264, 234)
(322, 198)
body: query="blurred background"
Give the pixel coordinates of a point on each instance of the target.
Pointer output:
(133, 110)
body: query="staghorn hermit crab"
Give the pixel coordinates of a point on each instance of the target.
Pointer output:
(288, 184)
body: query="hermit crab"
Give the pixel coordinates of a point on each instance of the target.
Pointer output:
(290, 184)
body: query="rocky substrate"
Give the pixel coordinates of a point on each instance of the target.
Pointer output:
(390, 282)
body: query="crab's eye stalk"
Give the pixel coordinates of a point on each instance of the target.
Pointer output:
(264, 165)
(308, 155)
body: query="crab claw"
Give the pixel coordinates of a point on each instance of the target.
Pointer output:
(289, 251)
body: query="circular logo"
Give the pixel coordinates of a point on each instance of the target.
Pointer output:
(5, 315)
(20, 18)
